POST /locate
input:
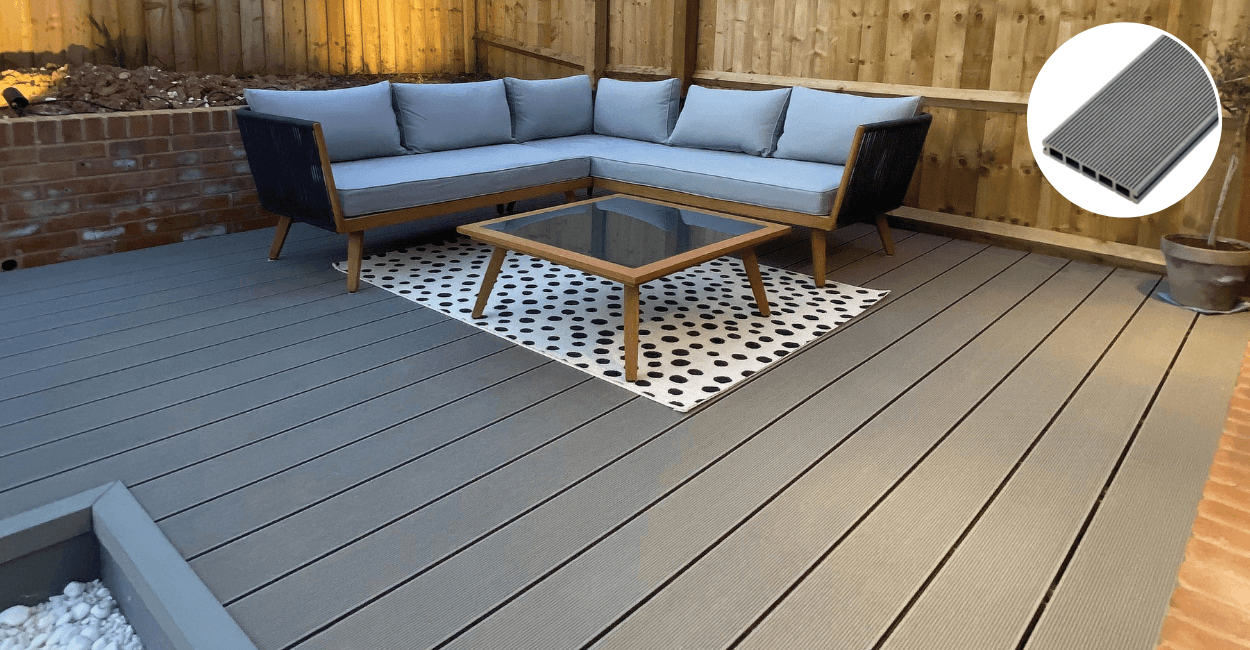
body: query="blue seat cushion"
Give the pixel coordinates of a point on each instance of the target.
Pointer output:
(356, 122)
(439, 117)
(793, 185)
(639, 110)
(550, 108)
(381, 184)
(820, 125)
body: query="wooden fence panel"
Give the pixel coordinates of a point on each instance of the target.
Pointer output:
(247, 36)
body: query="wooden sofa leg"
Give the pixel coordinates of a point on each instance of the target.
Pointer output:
(355, 251)
(883, 229)
(818, 256)
(279, 237)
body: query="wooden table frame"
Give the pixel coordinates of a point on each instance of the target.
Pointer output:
(631, 277)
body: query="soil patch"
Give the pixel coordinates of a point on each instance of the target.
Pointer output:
(89, 88)
(1201, 242)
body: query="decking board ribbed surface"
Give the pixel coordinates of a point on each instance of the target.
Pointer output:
(354, 471)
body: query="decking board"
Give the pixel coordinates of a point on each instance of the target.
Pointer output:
(384, 323)
(157, 289)
(276, 332)
(265, 556)
(862, 427)
(457, 490)
(488, 572)
(1028, 528)
(312, 467)
(1115, 592)
(743, 575)
(96, 273)
(885, 560)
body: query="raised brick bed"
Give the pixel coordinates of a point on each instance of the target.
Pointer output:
(83, 185)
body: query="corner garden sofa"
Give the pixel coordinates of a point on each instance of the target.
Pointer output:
(358, 158)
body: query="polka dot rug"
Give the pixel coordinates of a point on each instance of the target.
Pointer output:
(700, 333)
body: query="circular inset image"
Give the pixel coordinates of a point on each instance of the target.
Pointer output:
(1124, 120)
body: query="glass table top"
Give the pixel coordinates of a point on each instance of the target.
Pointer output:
(624, 231)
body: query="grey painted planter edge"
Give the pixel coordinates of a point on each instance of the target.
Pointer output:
(179, 603)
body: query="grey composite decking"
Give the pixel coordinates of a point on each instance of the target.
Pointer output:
(992, 457)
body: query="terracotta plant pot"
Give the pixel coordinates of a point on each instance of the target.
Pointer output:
(1203, 277)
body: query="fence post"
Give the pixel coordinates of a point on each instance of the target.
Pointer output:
(597, 43)
(685, 40)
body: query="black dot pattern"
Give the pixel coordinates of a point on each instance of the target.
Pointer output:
(699, 330)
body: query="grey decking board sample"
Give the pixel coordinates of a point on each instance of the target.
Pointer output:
(67, 453)
(494, 568)
(256, 335)
(1027, 530)
(263, 557)
(145, 467)
(253, 501)
(865, 447)
(384, 319)
(724, 593)
(877, 568)
(160, 289)
(1115, 592)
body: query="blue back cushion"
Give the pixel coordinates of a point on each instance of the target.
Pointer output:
(357, 122)
(638, 110)
(731, 120)
(820, 125)
(439, 117)
(549, 108)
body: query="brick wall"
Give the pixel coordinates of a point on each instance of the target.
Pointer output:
(1210, 608)
(83, 185)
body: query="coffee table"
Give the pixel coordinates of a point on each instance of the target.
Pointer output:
(626, 239)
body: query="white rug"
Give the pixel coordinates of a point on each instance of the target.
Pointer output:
(699, 331)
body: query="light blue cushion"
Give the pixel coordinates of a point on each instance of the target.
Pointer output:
(639, 110)
(820, 125)
(438, 117)
(731, 120)
(367, 186)
(357, 122)
(792, 185)
(550, 108)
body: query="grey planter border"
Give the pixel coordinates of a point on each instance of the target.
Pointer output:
(166, 603)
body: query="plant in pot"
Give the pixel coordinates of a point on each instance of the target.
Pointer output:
(1209, 273)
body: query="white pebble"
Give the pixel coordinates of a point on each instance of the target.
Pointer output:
(15, 615)
(102, 610)
(45, 621)
(10, 644)
(79, 643)
(80, 611)
(101, 643)
(39, 641)
(111, 646)
(89, 632)
(59, 636)
(74, 589)
(64, 619)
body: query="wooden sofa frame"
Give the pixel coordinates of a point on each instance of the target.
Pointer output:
(291, 168)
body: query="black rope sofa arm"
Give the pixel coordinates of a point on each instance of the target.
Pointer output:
(288, 165)
(880, 167)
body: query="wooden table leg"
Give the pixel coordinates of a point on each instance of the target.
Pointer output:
(488, 280)
(752, 266)
(631, 332)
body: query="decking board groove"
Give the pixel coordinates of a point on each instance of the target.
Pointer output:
(457, 490)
